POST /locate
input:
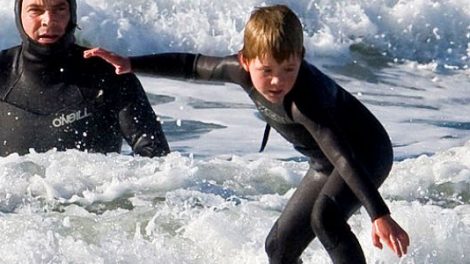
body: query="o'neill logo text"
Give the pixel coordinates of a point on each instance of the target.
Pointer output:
(70, 118)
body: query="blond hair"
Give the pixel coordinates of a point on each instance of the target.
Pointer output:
(273, 30)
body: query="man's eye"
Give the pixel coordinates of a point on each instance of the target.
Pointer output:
(61, 9)
(35, 11)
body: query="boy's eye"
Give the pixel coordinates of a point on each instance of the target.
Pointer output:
(266, 70)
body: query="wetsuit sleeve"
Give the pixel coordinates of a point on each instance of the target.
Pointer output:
(221, 69)
(339, 153)
(192, 66)
(138, 122)
(172, 65)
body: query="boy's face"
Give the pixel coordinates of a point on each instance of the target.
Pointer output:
(45, 21)
(272, 79)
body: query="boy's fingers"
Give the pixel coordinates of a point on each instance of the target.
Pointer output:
(406, 238)
(376, 241)
(91, 52)
(404, 243)
(397, 247)
(86, 54)
(119, 70)
(378, 245)
(403, 249)
(111, 58)
(390, 244)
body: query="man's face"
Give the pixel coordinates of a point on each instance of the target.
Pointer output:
(271, 79)
(45, 21)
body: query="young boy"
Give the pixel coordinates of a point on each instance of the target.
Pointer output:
(350, 152)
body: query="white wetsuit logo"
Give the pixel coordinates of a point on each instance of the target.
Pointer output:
(70, 118)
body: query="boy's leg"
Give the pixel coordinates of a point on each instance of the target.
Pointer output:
(328, 221)
(292, 232)
(334, 205)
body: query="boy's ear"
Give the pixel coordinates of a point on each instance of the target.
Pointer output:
(243, 62)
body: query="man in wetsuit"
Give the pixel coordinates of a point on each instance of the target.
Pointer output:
(350, 152)
(50, 97)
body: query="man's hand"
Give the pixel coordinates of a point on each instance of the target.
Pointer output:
(122, 64)
(387, 230)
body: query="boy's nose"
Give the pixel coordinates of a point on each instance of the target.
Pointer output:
(275, 80)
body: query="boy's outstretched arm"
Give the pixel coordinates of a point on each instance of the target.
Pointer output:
(122, 64)
(178, 65)
(171, 65)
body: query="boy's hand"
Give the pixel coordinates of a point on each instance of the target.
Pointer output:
(122, 64)
(387, 230)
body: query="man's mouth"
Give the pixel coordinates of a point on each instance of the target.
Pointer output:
(47, 38)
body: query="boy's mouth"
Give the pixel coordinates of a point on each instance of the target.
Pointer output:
(275, 92)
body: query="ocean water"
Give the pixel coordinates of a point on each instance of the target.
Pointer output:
(214, 199)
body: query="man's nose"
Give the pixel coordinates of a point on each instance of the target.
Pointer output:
(47, 17)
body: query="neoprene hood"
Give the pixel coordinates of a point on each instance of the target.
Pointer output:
(44, 50)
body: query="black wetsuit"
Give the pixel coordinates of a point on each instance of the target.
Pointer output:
(51, 97)
(350, 153)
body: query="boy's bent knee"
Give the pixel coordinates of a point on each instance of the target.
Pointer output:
(270, 245)
(327, 221)
(276, 249)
